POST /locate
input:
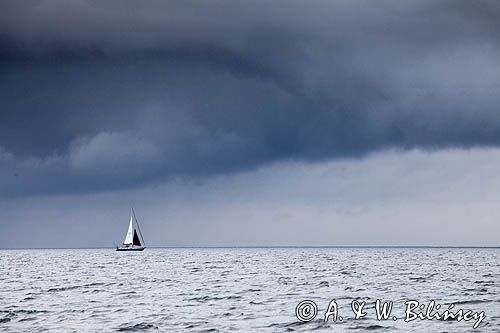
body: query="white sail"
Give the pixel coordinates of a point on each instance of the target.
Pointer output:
(130, 233)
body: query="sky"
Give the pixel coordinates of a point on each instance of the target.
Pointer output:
(250, 123)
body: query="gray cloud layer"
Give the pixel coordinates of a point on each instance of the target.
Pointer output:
(98, 96)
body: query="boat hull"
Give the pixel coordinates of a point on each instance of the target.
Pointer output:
(130, 248)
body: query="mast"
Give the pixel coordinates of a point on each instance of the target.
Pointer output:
(138, 227)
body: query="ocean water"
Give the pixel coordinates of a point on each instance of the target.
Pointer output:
(243, 289)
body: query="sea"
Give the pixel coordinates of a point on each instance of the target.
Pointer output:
(250, 290)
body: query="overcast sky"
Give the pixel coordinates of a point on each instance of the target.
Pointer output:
(250, 122)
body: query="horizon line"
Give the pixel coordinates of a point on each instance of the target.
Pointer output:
(272, 247)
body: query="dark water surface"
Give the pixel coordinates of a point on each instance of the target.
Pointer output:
(243, 289)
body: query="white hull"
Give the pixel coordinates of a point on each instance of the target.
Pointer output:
(130, 248)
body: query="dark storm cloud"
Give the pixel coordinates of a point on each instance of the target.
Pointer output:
(105, 95)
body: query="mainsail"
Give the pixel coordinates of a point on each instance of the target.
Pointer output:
(136, 239)
(134, 235)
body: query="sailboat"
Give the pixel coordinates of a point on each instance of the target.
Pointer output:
(133, 240)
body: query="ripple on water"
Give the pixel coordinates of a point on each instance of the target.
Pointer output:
(249, 290)
(138, 327)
